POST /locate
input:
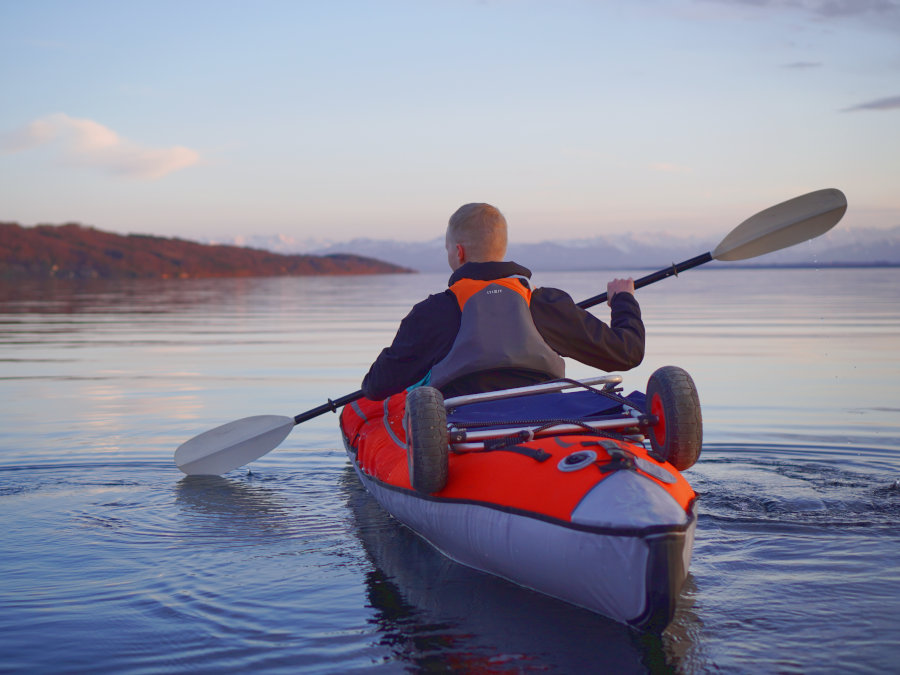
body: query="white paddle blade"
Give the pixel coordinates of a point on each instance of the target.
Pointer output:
(783, 225)
(231, 445)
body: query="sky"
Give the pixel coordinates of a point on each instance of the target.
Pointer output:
(340, 119)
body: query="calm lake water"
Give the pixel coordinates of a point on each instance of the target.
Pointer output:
(113, 561)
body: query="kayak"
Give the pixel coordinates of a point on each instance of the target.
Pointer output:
(569, 488)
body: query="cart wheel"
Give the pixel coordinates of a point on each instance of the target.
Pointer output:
(678, 434)
(426, 439)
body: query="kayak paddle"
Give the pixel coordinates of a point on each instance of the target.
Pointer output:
(777, 227)
(231, 445)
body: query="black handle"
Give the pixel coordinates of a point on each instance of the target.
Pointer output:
(664, 273)
(331, 406)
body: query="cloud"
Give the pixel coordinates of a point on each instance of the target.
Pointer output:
(84, 142)
(848, 7)
(890, 103)
(884, 13)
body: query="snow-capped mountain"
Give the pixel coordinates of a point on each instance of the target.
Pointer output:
(841, 246)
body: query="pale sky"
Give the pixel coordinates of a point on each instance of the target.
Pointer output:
(338, 119)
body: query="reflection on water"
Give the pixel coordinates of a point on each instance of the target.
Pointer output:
(290, 566)
(234, 513)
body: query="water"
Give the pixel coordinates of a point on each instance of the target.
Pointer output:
(113, 561)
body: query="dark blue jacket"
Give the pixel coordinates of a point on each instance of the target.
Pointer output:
(426, 334)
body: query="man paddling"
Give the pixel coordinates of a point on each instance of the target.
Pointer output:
(489, 330)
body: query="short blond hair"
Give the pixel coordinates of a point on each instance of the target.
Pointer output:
(481, 229)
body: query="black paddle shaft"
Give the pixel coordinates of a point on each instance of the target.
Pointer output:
(653, 278)
(331, 406)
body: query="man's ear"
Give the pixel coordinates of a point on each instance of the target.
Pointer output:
(460, 253)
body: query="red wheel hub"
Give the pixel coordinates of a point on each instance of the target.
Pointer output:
(658, 429)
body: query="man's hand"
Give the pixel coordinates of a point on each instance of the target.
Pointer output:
(618, 286)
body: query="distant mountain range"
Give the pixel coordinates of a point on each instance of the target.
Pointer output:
(73, 251)
(841, 246)
(76, 252)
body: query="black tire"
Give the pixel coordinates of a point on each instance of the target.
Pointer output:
(678, 434)
(427, 447)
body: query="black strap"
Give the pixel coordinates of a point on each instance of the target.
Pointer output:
(536, 454)
(609, 391)
(506, 441)
(618, 458)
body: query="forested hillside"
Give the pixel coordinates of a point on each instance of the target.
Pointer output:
(73, 251)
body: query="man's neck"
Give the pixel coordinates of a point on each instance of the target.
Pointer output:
(486, 271)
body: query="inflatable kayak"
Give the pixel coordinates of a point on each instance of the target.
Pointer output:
(568, 488)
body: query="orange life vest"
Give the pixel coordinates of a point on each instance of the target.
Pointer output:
(496, 332)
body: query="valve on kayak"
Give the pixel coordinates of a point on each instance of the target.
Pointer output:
(577, 460)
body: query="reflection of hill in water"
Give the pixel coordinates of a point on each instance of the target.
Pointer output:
(437, 614)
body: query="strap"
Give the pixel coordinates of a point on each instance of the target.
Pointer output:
(387, 425)
(609, 391)
(618, 458)
(359, 411)
(513, 439)
(536, 454)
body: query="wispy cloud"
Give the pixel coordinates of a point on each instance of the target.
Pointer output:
(85, 142)
(886, 13)
(890, 103)
(882, 8)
